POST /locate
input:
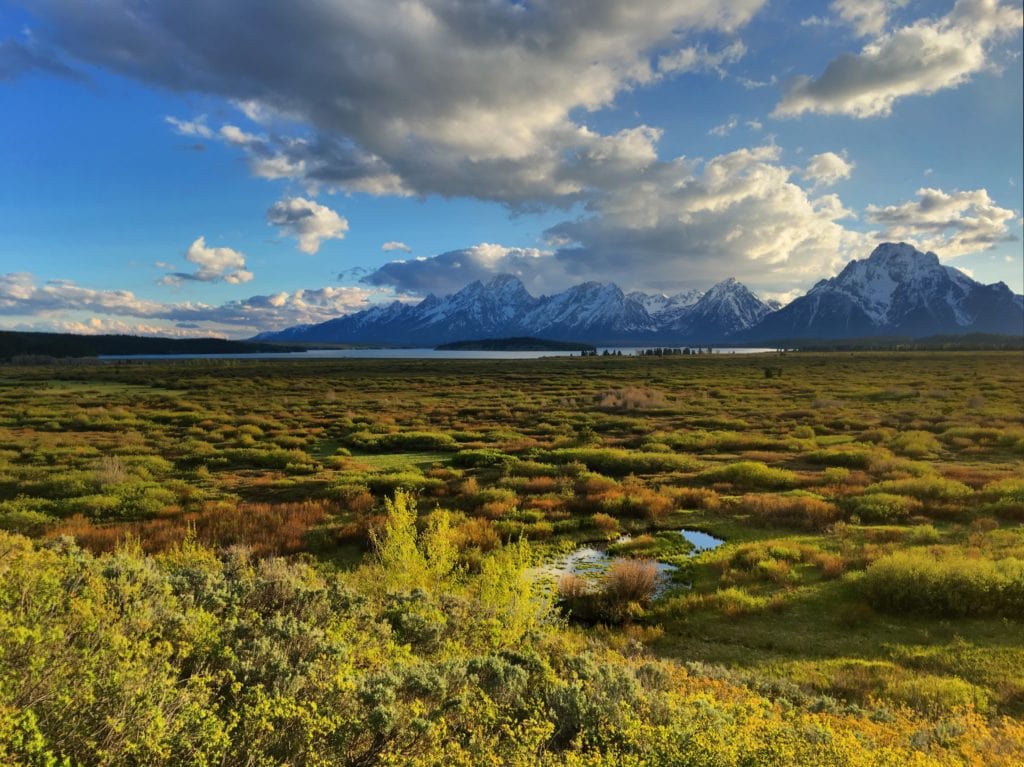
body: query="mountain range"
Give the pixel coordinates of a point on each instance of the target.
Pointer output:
(897, 290)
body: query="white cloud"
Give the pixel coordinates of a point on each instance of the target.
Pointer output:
(235, 135)
(104, 326)
(827, 168)
(454, 97)
(215, 265)
(725, 128)
(196, 127)
(395, 245)
(951, 224)
(309, 222)
(867, 17)
(19, 294)
(924, 57)
(448, 272)
(683, 223)
(55, 303)
(696, 59)
(677, 224)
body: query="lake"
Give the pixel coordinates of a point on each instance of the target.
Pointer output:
(401, 354)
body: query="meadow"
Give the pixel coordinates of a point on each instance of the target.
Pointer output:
(333, 562)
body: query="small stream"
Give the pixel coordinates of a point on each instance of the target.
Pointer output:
(593, 559)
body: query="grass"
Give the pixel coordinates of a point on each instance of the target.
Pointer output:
(818, 480)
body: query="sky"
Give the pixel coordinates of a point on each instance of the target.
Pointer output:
(186, 167)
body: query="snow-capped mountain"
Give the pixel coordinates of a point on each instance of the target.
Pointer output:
(667, 310)
(591, 312)
(900, 291)
(726, 308)
(896, 291)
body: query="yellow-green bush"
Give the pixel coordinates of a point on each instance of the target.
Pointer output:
(946, 585)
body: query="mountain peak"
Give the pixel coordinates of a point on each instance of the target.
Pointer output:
(889, 252)
(897, 290)
(725, 286)
(500, 281)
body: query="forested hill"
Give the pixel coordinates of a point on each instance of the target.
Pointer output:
(18, 344)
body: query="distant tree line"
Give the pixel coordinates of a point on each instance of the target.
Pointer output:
(40, 347)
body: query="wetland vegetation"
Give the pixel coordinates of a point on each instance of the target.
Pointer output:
(342, 561)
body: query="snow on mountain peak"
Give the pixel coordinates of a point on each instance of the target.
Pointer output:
(897, 290)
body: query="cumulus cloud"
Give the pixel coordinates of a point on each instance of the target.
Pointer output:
(827, 168)
(951, 224)
(686, 223)
(309, 222)
(924, 57)
(60, 301)
(448, 272)
(19, 294)
(395, 245)
(454, 97)
(214, 265)
(677, 224)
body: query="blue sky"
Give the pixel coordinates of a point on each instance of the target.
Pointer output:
(192, 167)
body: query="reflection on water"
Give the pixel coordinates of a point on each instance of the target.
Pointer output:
(593, 559)
(701, 541)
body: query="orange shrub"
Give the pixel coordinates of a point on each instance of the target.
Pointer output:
(264, 528)
(478, 533)
(799, 511)
(606, 523)
(697, 498)
(572, 586)
(541, 485)
(631, 580)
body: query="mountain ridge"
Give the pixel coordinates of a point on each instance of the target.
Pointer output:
(897, 290)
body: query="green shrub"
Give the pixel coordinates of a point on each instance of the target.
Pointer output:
(618, 463)
(850, 459)
(946, 586)
(392, 481)
(477, 459)
(923, 488)
(401, 441)
(750, 475)
(937, 695)
(95, 506)
(916, 444)
(884, 508)
(25, 521)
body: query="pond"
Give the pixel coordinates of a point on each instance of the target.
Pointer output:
(592, 559)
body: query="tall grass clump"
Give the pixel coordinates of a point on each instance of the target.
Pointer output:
(619, 595)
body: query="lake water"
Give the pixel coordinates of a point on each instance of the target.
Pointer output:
(593, 559)
(397, 354)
